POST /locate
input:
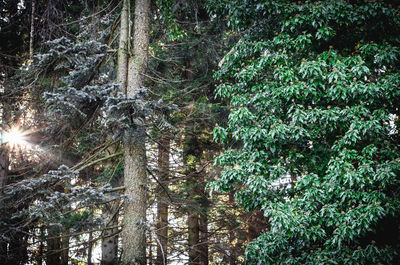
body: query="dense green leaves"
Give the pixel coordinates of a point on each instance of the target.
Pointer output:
(314, 93)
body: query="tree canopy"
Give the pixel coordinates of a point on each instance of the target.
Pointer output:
(313, 88)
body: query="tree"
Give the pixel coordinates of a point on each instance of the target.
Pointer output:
(135, 177)
(41, 207)
(187, 49)
(162, 205)
(110, 245)
(313, 88)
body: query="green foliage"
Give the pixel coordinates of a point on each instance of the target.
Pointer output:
(113, 173)
(173, 32)
(76, 219)
(314, 96)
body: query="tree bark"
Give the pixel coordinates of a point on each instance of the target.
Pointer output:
(32, 33)
(4, 163)
(65, 248)
(53, 253)
(122, 72)
(203, 222)
(109, 245)
(232, 250)
(192, 155)
(135, 179)
(256, 224)
(134, 230)
(193, 238)
(90, 249)
(162, 205)
(39, 253)
(17, 249)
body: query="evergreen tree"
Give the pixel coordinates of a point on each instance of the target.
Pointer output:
(56, 98)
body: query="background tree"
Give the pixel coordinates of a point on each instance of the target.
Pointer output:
(186, 52)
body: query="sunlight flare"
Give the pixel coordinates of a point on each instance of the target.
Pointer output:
(15, 137)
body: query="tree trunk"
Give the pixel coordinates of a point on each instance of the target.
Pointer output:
(32, 33)
(39, 258)
(53, 253)
(90, 249)
(256, 224)
(192, 155)
(17, 249)
(39, 253)
(232, 250)
(4, 163)
(122, 72)
(109, 245)
(150, 256)
(203, 247)
(162, 206)
(134, 230)
(193, 238)
(135, 179)
(65, 248)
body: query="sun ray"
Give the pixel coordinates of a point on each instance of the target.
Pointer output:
(15, 137)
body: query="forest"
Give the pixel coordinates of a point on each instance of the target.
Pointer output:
(199, 132)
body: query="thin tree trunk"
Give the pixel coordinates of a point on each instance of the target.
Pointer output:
(39, 254)
(4, 163)
(150, 257)
(256, 223)
(232, 252)
(203, 247)
(192, 156)
(65, 248)
(17, 249)
(39, 259)
(31, 38)
(54, 243)
(135, 179)
(193, 238)
(109, 245)
(162, 206)
(53, 253)
(90, 247)
(122, 72)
